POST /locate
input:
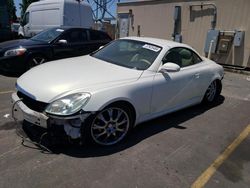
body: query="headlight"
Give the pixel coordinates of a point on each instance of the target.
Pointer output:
(15, 52)
(68, 105)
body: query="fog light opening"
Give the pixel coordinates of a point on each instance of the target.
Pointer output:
(72, 128)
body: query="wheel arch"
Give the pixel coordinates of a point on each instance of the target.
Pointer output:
(121, 102)
(86, 130)
(32, 54)
(128, 105)
(218, 78)
(218, 86)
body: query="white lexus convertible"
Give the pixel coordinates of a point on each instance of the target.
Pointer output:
(103, 95)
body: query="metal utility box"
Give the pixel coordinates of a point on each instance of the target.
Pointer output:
(225, 41)
(224, 45)
(238, 38)
(212, 35)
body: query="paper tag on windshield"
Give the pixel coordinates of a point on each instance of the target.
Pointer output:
(151, 47)
(60, 30)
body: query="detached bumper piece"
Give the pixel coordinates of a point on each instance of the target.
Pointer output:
(59, 129)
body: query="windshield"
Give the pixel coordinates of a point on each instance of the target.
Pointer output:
(129, 53)
(48, 35)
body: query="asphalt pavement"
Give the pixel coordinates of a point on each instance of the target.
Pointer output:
(201, 145)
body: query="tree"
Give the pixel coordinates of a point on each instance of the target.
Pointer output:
(24, 5)
(11, 10)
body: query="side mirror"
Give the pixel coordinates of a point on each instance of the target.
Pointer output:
(169, 67)
(62, 42)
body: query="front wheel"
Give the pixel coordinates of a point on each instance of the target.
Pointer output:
(213, 91)
(109, 126)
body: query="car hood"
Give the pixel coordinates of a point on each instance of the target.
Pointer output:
(55, 79)
(16, 43)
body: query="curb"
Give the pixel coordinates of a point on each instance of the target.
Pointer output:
(244, 72)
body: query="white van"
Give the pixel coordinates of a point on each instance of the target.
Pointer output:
(45, 14)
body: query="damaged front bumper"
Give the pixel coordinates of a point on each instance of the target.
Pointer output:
(71, 125)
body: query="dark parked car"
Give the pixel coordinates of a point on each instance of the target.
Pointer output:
(51, 44)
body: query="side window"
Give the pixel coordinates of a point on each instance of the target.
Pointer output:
(173, 56)
(186, 57)
(105, 36)
(182, 57)
(196, 58)
(83, 36)
(96, 35)
(75, 36)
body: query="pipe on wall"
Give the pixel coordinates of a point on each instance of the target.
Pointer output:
(214, 20)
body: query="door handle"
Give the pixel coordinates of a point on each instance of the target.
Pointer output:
(197, 75)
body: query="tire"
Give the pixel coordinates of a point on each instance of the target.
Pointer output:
(213, 92)
(36, 60)
(108, 126)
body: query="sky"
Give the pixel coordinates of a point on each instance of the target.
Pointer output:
(111, 7)
(18, 12)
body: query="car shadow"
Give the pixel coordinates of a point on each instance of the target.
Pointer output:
(10, 74)
(138, 134)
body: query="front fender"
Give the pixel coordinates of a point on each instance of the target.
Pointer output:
(137, 93)
(100, 100)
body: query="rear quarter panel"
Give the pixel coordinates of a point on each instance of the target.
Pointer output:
(212, 71)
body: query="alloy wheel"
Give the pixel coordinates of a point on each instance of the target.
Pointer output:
(110, 126)
(37, 61)
(211, 91)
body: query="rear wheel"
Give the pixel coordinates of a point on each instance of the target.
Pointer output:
(109, 126)
(213, 91)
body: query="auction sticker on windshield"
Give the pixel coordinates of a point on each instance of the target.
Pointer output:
(151, 47)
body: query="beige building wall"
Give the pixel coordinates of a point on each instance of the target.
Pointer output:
(155, 19)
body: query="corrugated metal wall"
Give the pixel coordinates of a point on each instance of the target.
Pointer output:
(155, 19)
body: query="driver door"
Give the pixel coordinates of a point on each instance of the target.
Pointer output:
(174, 90)
(76, 44)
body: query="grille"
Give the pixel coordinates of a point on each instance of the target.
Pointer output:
(31, 103)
